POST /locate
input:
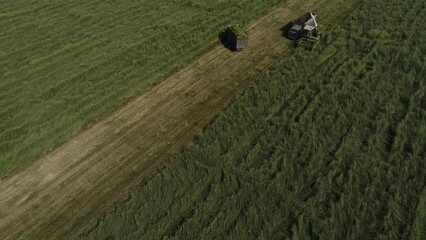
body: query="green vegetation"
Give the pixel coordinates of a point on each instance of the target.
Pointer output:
(238, 31)
(329, 145)
(64, 64)
(420, 223)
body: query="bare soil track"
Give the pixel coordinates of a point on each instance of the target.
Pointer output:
(64, 193)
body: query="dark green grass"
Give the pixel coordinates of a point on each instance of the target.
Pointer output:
(329, 145)
(420, 222)
(64, 64)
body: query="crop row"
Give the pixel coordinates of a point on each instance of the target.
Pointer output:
(328, 145)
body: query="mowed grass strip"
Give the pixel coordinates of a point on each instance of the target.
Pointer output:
(64, 64)
(329, 145)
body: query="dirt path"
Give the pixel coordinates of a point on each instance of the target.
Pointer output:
(64, 193)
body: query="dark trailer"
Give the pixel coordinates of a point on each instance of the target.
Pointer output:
(237, 38)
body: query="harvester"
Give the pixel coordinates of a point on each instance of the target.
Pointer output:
(305, 31)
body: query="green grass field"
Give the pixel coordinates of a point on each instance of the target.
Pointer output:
(64, 64)
(329, 145)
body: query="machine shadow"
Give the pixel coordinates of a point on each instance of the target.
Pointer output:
(286, 29)
(285, 32)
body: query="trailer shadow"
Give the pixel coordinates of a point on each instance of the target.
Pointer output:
(224, 41)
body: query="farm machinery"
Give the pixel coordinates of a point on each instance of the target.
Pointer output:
(305, 31)
(237, 37)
